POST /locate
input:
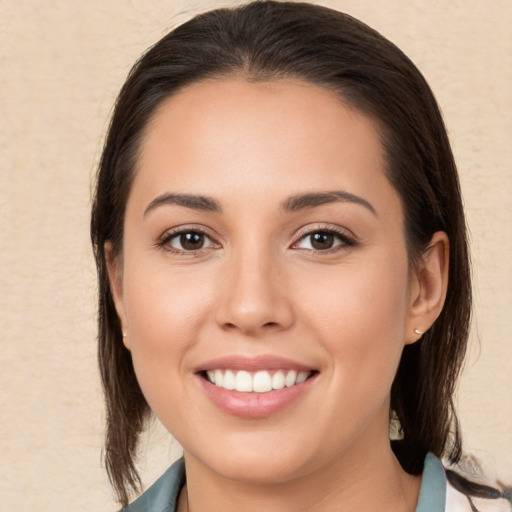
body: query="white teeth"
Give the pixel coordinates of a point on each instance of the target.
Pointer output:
(278, 380)
(219, 378)
(261, 381)
(229, 380)
(243, 381)
(302, 376)
(291, 378)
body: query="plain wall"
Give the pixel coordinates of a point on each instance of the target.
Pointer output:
(62, 63)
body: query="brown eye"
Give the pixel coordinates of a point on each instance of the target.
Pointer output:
(322, 240)
(188, 241)
(191, 241)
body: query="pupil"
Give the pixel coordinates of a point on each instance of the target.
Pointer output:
(322, 240)
(191, 241)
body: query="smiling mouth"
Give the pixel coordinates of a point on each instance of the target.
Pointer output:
(261, 381)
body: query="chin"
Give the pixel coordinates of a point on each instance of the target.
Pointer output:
(256, 461)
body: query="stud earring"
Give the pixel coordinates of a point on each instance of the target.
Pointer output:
(125, 340)
(417, 331)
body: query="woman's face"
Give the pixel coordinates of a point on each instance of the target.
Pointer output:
(264, 245)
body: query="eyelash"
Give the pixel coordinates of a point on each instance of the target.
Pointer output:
(164, 242)
(346, 241)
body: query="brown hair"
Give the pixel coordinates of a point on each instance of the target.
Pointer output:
(267, 40)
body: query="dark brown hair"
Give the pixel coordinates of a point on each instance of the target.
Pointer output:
(269, 40)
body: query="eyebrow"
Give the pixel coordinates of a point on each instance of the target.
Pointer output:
(312, 199)
(196, 202)
(292, 204)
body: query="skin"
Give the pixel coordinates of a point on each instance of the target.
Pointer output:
(257, 287)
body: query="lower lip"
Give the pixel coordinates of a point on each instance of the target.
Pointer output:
(254, 405)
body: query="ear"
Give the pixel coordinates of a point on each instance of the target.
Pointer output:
(428, 287)
(115, 277)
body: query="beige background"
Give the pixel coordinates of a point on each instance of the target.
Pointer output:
(61, 65)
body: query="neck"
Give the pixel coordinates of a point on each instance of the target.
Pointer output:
(375, 482)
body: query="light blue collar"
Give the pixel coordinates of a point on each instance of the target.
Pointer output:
(432, 496)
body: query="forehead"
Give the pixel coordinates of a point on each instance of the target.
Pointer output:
(293, 109)
(223, 137)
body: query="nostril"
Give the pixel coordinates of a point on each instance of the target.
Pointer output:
(230, 326)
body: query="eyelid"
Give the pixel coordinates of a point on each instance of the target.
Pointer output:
(169, 234)
(347, 238)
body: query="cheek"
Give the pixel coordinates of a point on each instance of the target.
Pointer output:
(370, 297)
(165, 312)
(359, 314)
(162, 302)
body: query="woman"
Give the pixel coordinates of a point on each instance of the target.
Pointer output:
(283, 269)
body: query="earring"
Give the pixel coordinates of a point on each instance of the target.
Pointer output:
(125, 341)
(417, 331)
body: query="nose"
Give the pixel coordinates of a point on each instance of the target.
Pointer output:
(254, 295)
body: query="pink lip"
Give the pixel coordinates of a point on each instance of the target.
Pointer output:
(253, 364)
(253, 405)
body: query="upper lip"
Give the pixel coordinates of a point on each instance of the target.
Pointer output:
(252, 363)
